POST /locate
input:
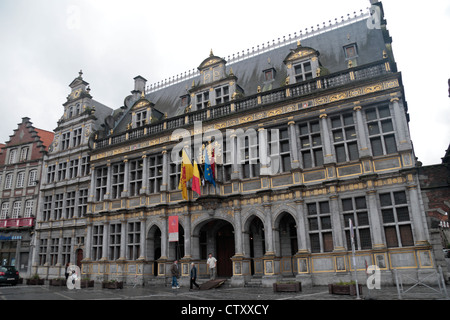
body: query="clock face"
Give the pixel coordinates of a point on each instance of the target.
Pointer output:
(75, 94)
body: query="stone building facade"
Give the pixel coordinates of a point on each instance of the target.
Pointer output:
(60, 227)
(21, 161)
(307, 134)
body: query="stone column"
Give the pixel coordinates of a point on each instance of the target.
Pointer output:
(403, 142)
(295, 163)
(338, 239)
(108, 181)
(363, 139)
(88, 241)
(239, 248)
(143, 237)
(235, 159)
(123, 239)
(126, 178)
(328, 156)
(264, 160)
(165, 177)
(418, 222)
(301, 223)
(376, 225)
(105, 249)
(144, 188)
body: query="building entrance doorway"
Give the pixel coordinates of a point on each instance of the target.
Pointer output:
(225, 250)
(217, 237)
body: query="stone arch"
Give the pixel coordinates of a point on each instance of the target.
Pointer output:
(216, 235)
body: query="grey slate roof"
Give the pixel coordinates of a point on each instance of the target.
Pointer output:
(249, 72)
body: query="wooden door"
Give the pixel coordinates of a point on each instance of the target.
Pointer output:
(225, 250)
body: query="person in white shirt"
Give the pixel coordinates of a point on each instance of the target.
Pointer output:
(212, 263)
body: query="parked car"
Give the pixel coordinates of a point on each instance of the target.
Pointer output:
(9, 274)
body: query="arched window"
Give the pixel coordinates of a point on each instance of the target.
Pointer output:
(20, 179)
(8, 181)
(23, 154)
(5, 210)
(12, 156)
(17, 208)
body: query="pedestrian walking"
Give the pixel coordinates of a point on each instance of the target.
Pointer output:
(175, 274)
(67, 271)
(193, 276)
(212, 264)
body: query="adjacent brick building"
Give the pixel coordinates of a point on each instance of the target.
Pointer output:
(21, 161)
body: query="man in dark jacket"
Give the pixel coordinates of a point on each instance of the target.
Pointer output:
(175, 274)
(193, 276)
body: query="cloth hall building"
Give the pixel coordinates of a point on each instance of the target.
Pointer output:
(313, 134)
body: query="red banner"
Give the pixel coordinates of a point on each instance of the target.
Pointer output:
(173, 228)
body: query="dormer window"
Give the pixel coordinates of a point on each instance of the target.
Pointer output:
(269, 74)
(303, 71)
(202, 100)
(302, 64)
(350, 51)
(141, 118)
(222, 94)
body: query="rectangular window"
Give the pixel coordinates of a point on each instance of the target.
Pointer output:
(174, 172)
(70, 204)
(136, 169)
(76, 139)
(114, 241)
(344, 138)
(82, 202)
(97, 242)
(101, 178)
(47, 210)
(311, 144)
(62, 171)
(279, 149)
(85, 170)
(43, 251)
(51, 170)
(73, 168)
(66, 250)
(133, 243)
(356, 210)
(54, 251)
(396, 219)
(155, 173)
(117, 180)
(381, 131)
(320, 227)
(248, 155)
(65, 140)
(58, 206)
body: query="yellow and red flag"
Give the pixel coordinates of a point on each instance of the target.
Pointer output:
(196, 180)
(186, 174)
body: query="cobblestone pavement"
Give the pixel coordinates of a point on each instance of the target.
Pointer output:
(225, 292)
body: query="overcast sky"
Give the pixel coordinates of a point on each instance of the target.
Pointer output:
(45, 43)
